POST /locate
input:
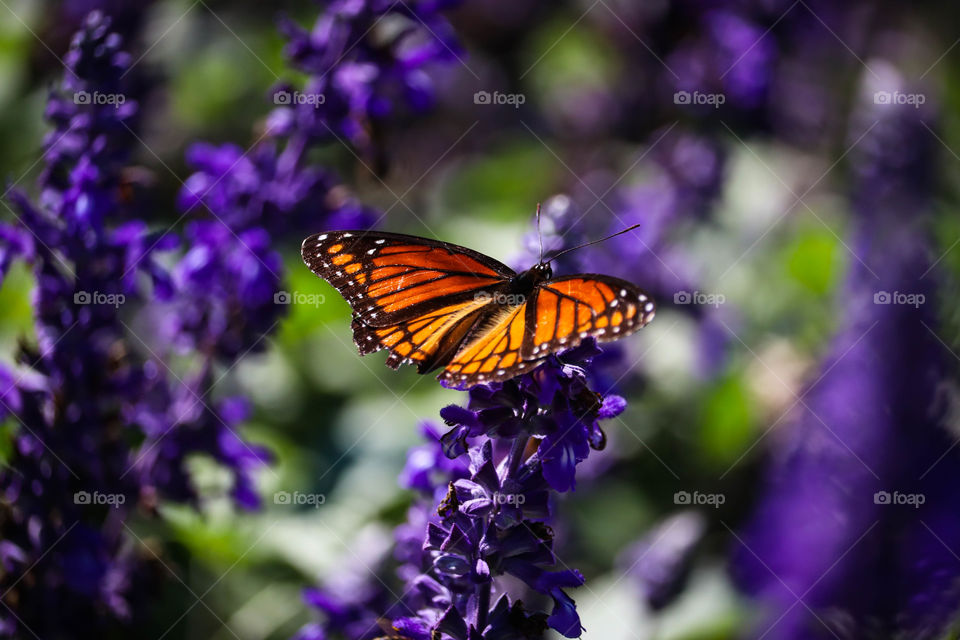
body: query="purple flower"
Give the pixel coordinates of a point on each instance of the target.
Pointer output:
(358, 80)
(868, 459)
(660, 562)
(103, 429)
(228, 281)
(523, 439)
(730, 57)
(680, 188)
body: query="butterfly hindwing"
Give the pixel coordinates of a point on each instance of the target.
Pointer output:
(426, 341)
(564, 311)
(390, 278)
(493, 352)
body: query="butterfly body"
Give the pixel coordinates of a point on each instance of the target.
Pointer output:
(438, 305)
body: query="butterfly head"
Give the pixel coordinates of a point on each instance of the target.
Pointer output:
(525, 282)
(541, 271)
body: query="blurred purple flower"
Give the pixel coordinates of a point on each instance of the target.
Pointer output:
(102, 430)
(730, 57)
(683, 180)
(364, 59)
(272, 190)
(229, 282)
(869, 459)
(660, 563)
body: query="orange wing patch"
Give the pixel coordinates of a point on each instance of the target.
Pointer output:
(568, 310)
(415, 341)
(494, 354)
(389, 279)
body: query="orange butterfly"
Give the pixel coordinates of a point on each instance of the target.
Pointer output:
(435, 304)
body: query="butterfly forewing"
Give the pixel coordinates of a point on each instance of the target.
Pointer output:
(559, 314)
(569, 309)
(389, 278)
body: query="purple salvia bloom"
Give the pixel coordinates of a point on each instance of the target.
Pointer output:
(360, 80)
(485, 490)
(271, 188)
(681, 186)
(730, 57)
(869, 459)
(495, 521)
(660, 563)
(70, 399)
(85, 394)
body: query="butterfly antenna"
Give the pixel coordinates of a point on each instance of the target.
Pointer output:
(587, 244)
(539, 235)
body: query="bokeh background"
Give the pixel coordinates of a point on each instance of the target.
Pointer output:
(786, 464)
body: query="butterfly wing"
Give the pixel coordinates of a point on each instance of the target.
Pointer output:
(494, 351)
(560, 314)
(428, 340)
(416, 297)
(564, 311)
(390, 278)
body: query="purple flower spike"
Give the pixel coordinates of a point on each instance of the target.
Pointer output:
(485, 510)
